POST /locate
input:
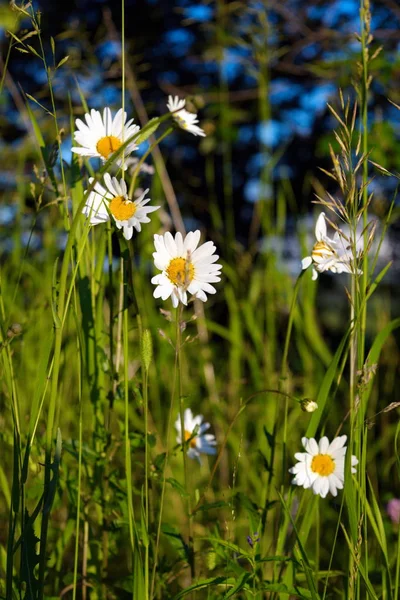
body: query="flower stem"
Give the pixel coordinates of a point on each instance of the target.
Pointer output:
(182, 419)
(146, 478)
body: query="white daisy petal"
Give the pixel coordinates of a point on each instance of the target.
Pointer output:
(323, 445)
(320, 228)
(306, 262)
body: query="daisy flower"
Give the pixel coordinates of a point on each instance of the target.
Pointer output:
(185, 119)
(321, 466)
(101, 136)
(328, 254)
(200, 442)
(113, 200)
(185, 268)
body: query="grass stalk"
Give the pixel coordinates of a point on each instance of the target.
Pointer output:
(178, 350)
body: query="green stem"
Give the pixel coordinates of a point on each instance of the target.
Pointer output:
(145, 155)
(163, 486)
(284, 370)
(146, 477)
(183, 436)
(78, 501)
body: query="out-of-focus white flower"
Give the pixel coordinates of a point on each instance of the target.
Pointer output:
(321, 467)
(185, 119)
(185, 268)
(127, 214)
(200, 442)
(329, 254)
(101, 136)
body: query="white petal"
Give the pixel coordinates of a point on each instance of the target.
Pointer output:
(338, 442)
(323, 445)
(306, 262)
(320, 227)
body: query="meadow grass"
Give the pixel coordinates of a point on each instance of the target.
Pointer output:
(98, 498)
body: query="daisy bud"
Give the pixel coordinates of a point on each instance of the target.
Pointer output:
(308, 405)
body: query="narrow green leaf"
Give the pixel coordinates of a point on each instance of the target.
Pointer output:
(204, 583)
(326, 385)
(148, 130)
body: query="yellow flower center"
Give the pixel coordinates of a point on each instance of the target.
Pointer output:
(322, 251)
(323, 464)
(122, 209)
(180, 272)
(107, 145)
(188, 435)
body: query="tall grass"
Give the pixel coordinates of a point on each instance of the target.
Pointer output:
(98, 500)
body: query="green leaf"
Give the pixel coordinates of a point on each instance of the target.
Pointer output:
(374, 353)
(360, 566)
(29, 558)
(326, 385)
(241, 584)
(55, 467)
(147, 130)
(212, 506)
(204, 583)
(282, 588)
(178, 487)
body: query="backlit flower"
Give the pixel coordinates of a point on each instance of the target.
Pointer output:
(185, 119)
(321, 466)
(113, 200)
(185, 268)
(194, 433)
(329, 254)
(101, 136)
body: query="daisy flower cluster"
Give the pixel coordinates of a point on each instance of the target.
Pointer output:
(113, 140)
(187, 267)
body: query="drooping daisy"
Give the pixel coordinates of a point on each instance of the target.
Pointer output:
(101, 136)
(127, 213)
(185, 119)
(328, 254)
(200, 442)
(185, 268)
(321, 466)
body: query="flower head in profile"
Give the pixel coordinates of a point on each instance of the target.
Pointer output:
(113, 200)
(101, 136)
(185, 267)
(321, 466)
(185, 119)
(194, 433)
(328, 254)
